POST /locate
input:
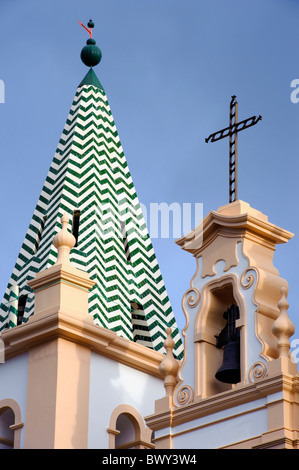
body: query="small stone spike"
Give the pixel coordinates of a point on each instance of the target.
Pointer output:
(64, 241)
(283, 327)
(169, 366)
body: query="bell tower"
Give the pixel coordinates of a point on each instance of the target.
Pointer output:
(234, 250)
(230, 389)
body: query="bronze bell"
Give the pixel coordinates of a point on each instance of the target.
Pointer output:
(229, 372)
(229, 339)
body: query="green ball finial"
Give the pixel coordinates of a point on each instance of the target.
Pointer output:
(91, 54)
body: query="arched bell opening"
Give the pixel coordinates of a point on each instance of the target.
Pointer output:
(219, 341)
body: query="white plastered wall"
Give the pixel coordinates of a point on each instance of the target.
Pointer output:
(13, 384)
(113, 384)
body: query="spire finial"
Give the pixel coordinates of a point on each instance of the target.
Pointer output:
(91, 54)
(169, 366)
(283, 327)
(64, 241)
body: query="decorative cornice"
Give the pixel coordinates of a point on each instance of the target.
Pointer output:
(61, 273)
(226, 400)
(84, 332)
(251, 223)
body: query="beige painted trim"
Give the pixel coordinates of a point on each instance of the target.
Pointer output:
(57, 406)
(234, 222)
(204, 337)
(137, 444)
(192, 429)
(200, 326)
(281, 413)
(18, 424)
(164, 442)
(142, 433)
(84, 332)
(61, 288)
(280, 439)
(61, 273)
(6, 442)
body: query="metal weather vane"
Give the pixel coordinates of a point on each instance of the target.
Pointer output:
(232, 133)
(89, 29)
(91, 54)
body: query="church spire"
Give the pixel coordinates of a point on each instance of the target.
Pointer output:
(89, 181)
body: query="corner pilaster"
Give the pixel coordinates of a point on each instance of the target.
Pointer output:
(58, 367)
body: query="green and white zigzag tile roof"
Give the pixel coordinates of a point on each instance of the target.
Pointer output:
(89, 173)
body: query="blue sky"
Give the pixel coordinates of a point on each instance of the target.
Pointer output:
(169, 68)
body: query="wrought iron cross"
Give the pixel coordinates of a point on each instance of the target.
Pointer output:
(232, 133)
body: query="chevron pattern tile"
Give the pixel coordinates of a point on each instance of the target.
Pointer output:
(89, 179)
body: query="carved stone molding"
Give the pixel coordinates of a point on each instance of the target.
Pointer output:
(81, 331)
(185, 395)
(249, 281)
(257, 371)
(191, 301)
